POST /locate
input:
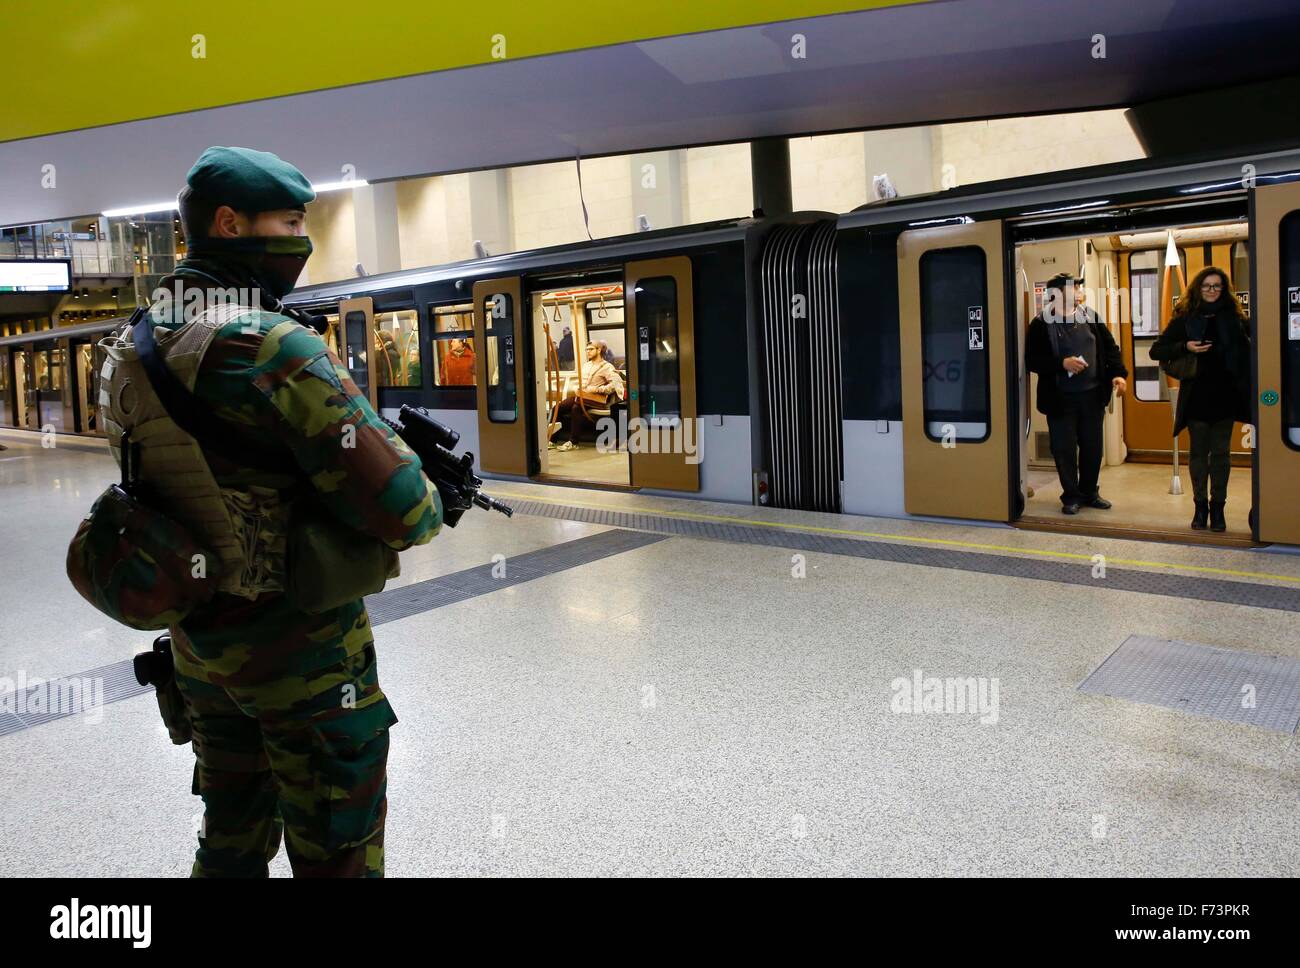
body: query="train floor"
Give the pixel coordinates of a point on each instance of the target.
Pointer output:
(1141, 502)
(661, 686)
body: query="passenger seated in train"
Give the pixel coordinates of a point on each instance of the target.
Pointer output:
(1078, 364)
(602, 385)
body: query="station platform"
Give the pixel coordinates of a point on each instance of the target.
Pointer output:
(660, 686)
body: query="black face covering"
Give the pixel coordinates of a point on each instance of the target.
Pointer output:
(274, 261)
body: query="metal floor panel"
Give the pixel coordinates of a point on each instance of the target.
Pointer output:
(1256, 595)
(1241, 687)
(390, 605)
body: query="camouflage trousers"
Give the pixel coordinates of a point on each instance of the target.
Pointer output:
(303, 758)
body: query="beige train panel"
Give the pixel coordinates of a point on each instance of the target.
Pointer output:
(1277, 464)
(670, 470)
(971, 479)
(503, 445)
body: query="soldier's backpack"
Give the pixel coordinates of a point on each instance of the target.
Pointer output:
(134, 564)
(147, 569)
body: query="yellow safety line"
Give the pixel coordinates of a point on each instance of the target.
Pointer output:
(787, 526)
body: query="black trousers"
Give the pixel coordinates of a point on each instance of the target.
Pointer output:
(1209, 460)
(1076, 438)
(572, 421)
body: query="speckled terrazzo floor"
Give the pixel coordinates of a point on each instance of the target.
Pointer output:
(690, 707)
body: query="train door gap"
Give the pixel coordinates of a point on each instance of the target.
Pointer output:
(580, 371)
(1131, 281)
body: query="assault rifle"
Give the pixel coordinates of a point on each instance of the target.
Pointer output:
(433, 442)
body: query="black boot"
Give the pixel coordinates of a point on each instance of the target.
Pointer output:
(1202, 516)
(1217, 522)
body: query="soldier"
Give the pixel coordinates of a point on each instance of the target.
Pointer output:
(290, 726)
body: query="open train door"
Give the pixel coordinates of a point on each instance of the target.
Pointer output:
(499, 365)
(664, 427)
(1275, 231)
(953, 341)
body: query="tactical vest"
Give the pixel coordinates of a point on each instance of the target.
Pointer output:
(246, 528)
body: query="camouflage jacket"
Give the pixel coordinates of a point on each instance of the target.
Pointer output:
(291, 390)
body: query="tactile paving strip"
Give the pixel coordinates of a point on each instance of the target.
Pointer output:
(68, 696)
(1257, 595)
(406, 600)
(387, 606)
(1241, 687)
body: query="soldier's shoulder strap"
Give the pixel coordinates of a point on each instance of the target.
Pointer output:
(184, 408)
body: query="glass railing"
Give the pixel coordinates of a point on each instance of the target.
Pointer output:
(89, 258)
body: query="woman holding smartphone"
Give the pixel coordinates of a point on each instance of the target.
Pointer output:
(1209, 323)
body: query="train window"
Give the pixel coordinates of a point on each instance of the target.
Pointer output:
(357, 349)
(397, 348)
(955, 377)
(605, 323)
(1289, 248)
(5, 416)
(58, 364)
(502, 397)
(657, 347)
(1240, 270)
(453, 346)
(88, 383)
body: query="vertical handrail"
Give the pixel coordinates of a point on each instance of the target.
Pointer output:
(1176, 484)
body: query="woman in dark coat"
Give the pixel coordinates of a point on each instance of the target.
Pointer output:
(1209, 324)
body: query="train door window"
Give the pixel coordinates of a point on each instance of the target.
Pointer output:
(397, 348)
(1289, 264)
(357, 350)
(1240, 270)
(6, 417)
(502, 395)
(955, 381)
(51, 387)
(90, 362)
(657, 348)
(453, 345)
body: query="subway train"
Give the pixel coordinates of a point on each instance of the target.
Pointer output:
(867, 363)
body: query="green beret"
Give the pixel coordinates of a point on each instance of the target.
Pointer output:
(248, 180)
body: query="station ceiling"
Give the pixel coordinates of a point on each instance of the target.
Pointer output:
(893, 65)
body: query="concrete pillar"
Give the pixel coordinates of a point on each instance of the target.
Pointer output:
(490, 219)
(657, 189)
(769, 160)
(374, 211)
(906, 155)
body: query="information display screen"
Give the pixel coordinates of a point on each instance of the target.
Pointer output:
(30, 275)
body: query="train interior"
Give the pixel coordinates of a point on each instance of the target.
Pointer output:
(576, 328)
(1133, 281)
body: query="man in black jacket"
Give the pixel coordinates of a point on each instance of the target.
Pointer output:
(1078, 364)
